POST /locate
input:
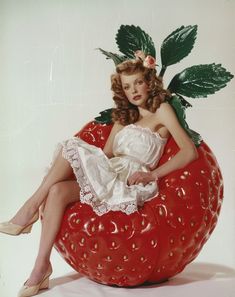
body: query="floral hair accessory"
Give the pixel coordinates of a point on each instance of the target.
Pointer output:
(148, 61)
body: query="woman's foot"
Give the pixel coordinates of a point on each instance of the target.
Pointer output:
(22, 222)
(14, 229)
(37, 274)
(39, 279)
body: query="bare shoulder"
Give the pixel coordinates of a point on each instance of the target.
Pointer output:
(165, 114)
(164, 109)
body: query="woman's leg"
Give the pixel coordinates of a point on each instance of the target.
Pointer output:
(61, 170)
(60, 195)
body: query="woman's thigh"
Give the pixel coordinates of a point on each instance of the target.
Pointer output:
(64, 192)
(67, 189)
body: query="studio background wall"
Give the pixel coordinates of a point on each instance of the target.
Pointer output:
(53, 81)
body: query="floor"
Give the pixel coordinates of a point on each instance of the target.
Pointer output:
(198, 279)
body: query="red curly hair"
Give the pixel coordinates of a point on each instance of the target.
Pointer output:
(125, 112)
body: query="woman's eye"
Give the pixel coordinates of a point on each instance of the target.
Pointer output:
(126, 88)
(140, 82)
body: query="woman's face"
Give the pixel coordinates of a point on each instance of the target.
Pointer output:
(135, 88)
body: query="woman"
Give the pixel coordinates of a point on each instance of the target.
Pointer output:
(121, 177)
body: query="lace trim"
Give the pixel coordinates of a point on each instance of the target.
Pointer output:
(87, 193)
(102, 208)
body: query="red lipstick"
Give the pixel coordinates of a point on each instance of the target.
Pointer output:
(136, 97)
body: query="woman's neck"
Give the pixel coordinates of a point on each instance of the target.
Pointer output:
(143, 112)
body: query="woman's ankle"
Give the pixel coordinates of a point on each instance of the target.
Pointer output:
(42, 262)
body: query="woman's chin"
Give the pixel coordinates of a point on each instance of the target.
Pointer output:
(137, 102)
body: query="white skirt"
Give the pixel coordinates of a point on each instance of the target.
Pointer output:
(103, 181)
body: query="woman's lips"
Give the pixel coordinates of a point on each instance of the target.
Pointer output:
(137, 97)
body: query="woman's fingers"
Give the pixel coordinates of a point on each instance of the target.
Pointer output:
(139, 178)
(134, 178)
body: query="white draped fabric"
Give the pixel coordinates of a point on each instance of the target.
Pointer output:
(103, 181)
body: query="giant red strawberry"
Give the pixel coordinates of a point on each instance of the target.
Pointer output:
(154, 243)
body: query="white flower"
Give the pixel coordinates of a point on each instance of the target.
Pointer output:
(139, 55)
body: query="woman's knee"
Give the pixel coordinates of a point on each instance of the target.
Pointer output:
(64, 192)
(57, 192)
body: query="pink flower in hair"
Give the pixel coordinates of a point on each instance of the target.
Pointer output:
(149, 62)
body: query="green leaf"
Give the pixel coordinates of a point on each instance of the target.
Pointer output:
(176, 103)
(200, 80)
(196, 137)
(105, 117)
(184, 102)
(117, 59)
(131, 38)
(178, 45)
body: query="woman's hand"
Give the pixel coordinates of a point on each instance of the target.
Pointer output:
(140, 177)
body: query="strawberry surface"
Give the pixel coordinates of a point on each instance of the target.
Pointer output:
(156, 242)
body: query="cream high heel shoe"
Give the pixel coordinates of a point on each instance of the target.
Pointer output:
(14, 229)
(27, 291)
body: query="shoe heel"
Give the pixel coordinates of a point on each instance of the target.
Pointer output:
(27, 229)
(45, 284)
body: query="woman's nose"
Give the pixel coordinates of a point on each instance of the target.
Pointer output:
(133, 89)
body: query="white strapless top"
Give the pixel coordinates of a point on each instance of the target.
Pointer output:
(140, 144)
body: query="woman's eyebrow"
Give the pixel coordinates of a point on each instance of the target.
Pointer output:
(134, 81)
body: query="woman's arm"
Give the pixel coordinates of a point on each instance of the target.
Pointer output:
(187, 153)
(108, 148)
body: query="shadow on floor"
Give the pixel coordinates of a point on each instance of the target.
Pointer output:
(65, 279)
(193, 272)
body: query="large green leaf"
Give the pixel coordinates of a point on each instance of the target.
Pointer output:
(200, 80)
(178, 45)
(176, 103)
(117, 59)
(131, 38)
(105, 117)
